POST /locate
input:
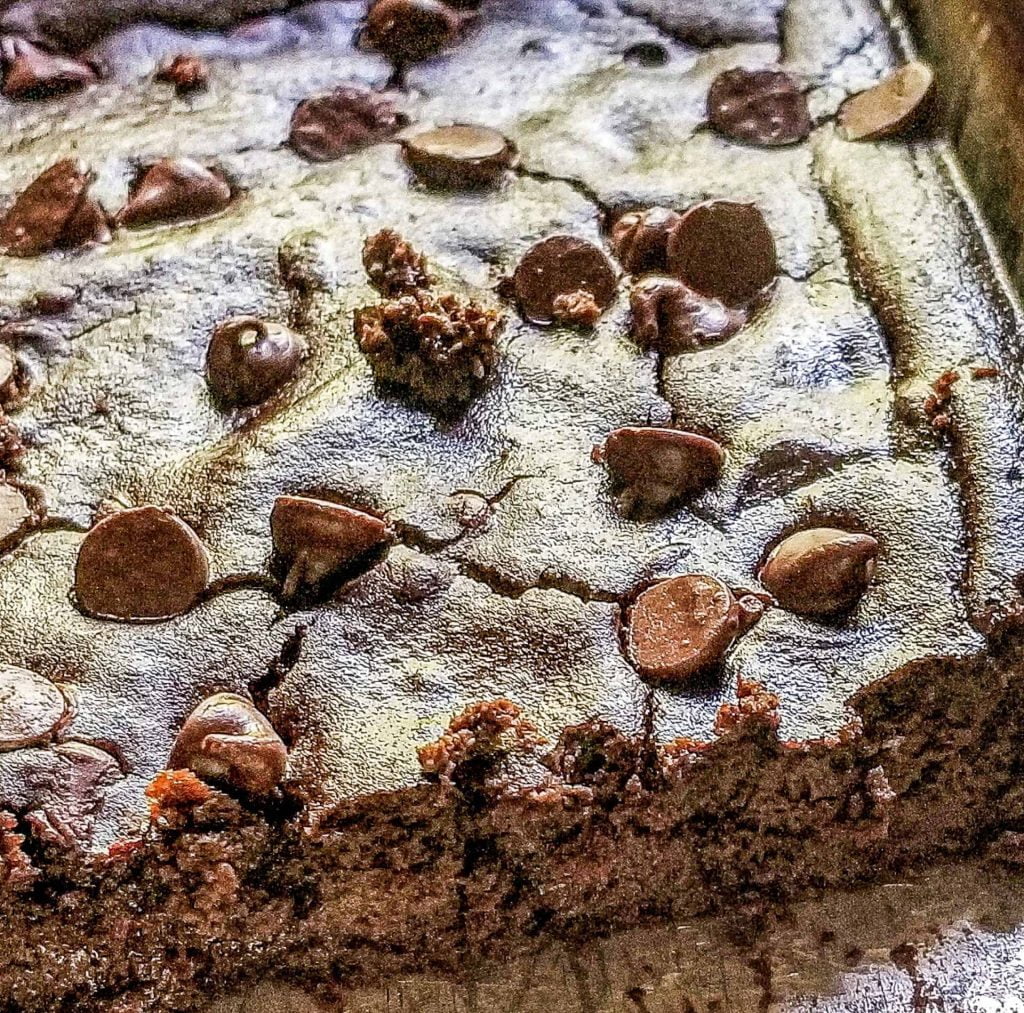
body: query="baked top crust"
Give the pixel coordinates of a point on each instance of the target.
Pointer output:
(512, 564)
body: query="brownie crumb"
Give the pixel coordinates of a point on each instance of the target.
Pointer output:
(942, 392)
(187, 72)
(576, 309)
(596, 754)
(753, 704)
(477, 742)
(441, 348)
(393, 266)
(11, 446)
(16, 870)
(171, 790)
(984, 372)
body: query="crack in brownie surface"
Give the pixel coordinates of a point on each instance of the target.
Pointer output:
(513, 562)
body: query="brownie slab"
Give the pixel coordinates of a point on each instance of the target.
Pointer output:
(476, 758)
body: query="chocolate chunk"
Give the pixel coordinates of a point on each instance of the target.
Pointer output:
(140, 564)
(656, 469)
(440, 348)
(669, 317)
(459, 157)
(31, 72)
(228, 741)
(723, 250)
(174, 189)
(640, 239)
(317, 543)
(54, 211)
(561, 265)
(14, 511)
(248, 360)
(31, 708)
(328, 126)
(891, 107)
(392, 265)
(409, 30)
(188, 73)
(683, 626)
(820, 571)
(764, 107)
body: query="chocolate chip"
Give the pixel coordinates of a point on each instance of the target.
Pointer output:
(891, 107)
(140, 564)
(228, 741)
(764, 107)
(31, 72)
(248, 360)
(317, 543)
(188, 73)
(561, 265)
(14, 511)
(409, 30)
(442, 349)
(723, 250)
(459, 157)
(640, 239)
(656, 469)
(31, 708)
(820, 571)
(329, 126)
(683, 626)
(670, 318)
(393, 265)
(54, 210)
(646, 54)
(175, 189)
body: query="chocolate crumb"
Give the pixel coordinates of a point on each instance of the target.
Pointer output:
(11, 446)
(935, 404)
(984, 372)
(477, 741)
(441, 348)
(393, 266)
(326, 127)
(576, 309)
(187, 72)
(754, 704)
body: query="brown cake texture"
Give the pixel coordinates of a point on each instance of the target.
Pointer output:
(480, 473)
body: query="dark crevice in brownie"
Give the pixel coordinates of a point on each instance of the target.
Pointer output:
(606, 212)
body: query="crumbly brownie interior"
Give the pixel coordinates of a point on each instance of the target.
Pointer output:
(475, 757)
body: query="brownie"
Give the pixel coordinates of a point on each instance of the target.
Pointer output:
(412, 557)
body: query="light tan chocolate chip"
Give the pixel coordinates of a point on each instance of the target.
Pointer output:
(31, 708)
(227, 740)
(893, 106)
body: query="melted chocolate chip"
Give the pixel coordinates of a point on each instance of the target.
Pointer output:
(31, 72)
(248, 360)
(656, 469)
(561, 266)
(317, 543)
(763, 107)
(440, 348)
(459, 157)
(670, 317)
(327, 127)
(892, 107)
(174, 189)
(54, 211)
(640, 239)
(393, 265)
(14, 512)
(820, 571)
(410, 30)
(140, 564)
(188, 73)
(228, 741)
(683, 626)
(31, 708)
(723, 250)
